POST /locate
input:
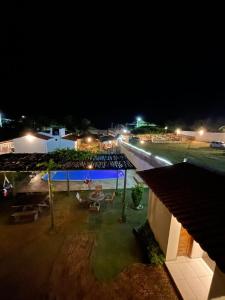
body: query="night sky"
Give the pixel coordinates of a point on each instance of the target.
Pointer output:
(107, 78)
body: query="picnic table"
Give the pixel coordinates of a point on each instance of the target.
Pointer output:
(96, 196)
(24, 214)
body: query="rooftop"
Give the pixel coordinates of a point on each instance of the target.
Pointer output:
(28, 162)
(195, 196)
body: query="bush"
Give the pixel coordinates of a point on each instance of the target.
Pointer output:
(137, 193)
(147, 130)
(151, 251)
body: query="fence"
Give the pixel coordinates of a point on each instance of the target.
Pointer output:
(206, 136)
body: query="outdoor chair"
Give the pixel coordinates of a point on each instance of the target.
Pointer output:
(109, 198)
(82, 202)
(94, 207)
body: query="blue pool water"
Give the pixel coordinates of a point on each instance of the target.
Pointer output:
(84, 174)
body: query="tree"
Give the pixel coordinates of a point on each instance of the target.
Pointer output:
(85, 125)
(70, 122)
(50, 165)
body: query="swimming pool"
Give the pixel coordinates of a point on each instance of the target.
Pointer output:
(84, 174)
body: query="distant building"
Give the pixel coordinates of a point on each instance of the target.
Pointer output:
(4, 120)
(38, 143)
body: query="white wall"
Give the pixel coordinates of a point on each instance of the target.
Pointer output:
(159, 221)
(217, 290)
(173, 240)
(196, 251)
(6, 147)
(23, 145)
(165, 227)
(59, 143)
(206, 137)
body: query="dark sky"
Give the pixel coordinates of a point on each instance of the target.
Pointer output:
(112, 78)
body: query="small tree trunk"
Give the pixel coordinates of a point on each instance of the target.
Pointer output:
(117, 181)
(51, 201)
(123, 218)
(68, 182)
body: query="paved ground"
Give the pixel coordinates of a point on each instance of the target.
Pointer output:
(71, 263)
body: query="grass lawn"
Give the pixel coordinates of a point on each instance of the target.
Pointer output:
(115, 243)
(197, 152)
(90, 255)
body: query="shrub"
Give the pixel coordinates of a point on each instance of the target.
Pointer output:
(137, 193)
(152, 252)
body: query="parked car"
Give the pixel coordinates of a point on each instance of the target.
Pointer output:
(217, 144)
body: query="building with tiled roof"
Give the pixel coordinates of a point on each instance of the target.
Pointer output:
(187, 216)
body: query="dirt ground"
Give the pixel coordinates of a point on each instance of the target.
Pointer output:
(37, 264)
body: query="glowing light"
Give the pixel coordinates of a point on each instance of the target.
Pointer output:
(110, 142)
(30, 137)
(149, 153)
(90, 167)
(164, 160)
(166, 127)
(142, 142)
(201, 131)
(125, 131)
(139, 149)
(139, 119)
(89, 139)
(178, 131)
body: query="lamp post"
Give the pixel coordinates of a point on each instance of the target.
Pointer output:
(138, 121)
(178, 131)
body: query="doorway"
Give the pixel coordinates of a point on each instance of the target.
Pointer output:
(185, 243)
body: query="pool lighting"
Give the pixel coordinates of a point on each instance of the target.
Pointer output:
(178, 131)
(89, 139)
(30, 137)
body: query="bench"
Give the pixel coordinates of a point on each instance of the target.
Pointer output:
(24, 216)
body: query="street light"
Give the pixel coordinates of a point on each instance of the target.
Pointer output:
(30, 137)
(139, 119)
(201, 132)
(178, 131)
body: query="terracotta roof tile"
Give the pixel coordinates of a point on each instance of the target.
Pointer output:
(196, 197)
